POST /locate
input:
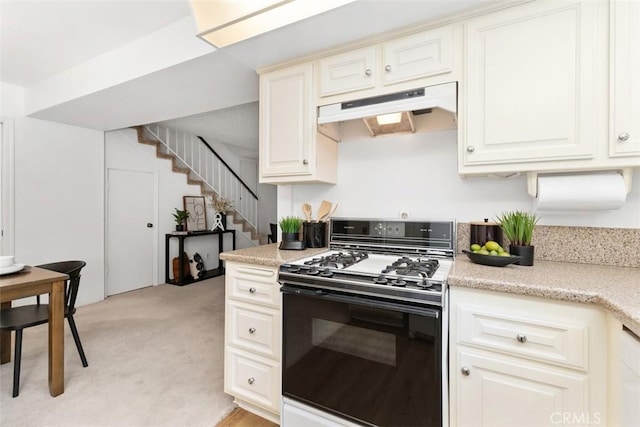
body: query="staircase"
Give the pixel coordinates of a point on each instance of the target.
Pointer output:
(193, 157)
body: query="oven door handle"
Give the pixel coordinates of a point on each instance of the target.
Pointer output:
(363, 301)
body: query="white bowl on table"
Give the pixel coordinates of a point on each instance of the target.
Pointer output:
(6, 261)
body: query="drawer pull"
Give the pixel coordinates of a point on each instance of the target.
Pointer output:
(624, 136)
(465, 371)
(522, 338)
(252, 290)
(252, 330)
(251, 380)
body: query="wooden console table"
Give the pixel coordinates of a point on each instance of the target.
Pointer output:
(181, 280)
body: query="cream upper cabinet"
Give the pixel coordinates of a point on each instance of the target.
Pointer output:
(625, 75)
(525, 361)
(291, 150)
(534, 87)
(347, 72)
(374, 68)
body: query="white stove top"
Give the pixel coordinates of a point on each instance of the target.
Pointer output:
(377, 263)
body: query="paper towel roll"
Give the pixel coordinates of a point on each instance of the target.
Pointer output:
(602, 191)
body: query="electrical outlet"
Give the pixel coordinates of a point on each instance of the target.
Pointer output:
(403, 214)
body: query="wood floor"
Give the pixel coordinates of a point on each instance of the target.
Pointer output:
(241, 418)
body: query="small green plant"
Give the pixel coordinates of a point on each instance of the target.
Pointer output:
(290, 224)
(518, 226)
(180, 216)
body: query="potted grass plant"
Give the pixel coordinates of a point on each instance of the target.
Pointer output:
(518, 227)
(290, 227)
(180, 217)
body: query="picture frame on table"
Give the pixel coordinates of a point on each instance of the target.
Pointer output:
(196, 206)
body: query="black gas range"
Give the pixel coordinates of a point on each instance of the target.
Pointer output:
(363, 325)
(397, 260)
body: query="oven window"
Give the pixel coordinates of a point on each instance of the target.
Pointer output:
(372, 365)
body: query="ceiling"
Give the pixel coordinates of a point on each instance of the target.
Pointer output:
(40, 39)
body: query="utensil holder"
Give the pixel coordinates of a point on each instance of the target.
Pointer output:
(314, 234)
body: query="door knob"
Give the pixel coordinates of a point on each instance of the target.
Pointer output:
(387, 68)
(251, 380)
(471, 149)
(149, 225)
(624, 136)
(522, 338)
(252, 330)
(465, 371)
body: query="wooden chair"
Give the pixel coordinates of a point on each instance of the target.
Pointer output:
(18, 318)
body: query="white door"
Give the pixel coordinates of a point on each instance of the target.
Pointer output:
(130, 230)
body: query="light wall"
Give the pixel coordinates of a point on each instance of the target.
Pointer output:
(123, 151)
(381, 177)
(59, 182)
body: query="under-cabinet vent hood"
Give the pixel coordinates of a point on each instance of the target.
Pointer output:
(415, 110)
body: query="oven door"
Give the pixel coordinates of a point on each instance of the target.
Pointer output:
(365, 359)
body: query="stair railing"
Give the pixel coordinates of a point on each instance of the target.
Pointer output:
(202, 160)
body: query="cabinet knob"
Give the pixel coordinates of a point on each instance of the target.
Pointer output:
(367, 71)
(251, 380)
(522, 338)
(252, 330)
(624, 136)
(387, 68)
(305, 162)
(471, 149)
(252, 290)
(465, 371)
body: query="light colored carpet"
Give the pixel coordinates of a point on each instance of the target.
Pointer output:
(155, 359)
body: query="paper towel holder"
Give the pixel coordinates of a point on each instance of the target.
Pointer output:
(532, 181)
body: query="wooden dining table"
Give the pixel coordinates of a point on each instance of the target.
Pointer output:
(36, 281)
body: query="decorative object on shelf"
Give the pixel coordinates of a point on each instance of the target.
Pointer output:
(176, 267)
(197, 219)
(290, 227)
(220, 205)
(196, 266)
(518, 227)
(180, 218)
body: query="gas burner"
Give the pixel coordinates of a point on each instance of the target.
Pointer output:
(338, 260)
(326, 273)
(398, 282)
(313, 271)
(405, 266)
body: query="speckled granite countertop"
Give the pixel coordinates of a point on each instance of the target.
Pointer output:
(268, 255)
(615, 288)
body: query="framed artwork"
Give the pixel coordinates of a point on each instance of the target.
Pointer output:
(197, 213)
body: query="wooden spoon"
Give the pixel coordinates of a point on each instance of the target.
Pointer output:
(323, 210)
(306, 208)
(330, 214)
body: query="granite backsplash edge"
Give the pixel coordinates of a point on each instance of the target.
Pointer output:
(585, 245)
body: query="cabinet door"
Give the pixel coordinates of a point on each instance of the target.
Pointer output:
(625, 90)
(495, 391)
(349, 71)
(286, 122)
(419, 55)
(532, 92)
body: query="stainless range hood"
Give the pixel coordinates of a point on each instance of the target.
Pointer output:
(402, 112)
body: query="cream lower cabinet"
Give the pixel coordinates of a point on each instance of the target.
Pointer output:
(291, 149)
(518, 360)
(534, 91)
(629, 364)
(253, 338)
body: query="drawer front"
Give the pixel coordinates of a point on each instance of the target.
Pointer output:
(253, 284)
(540, 339)
(256, 330)
(254, 379)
